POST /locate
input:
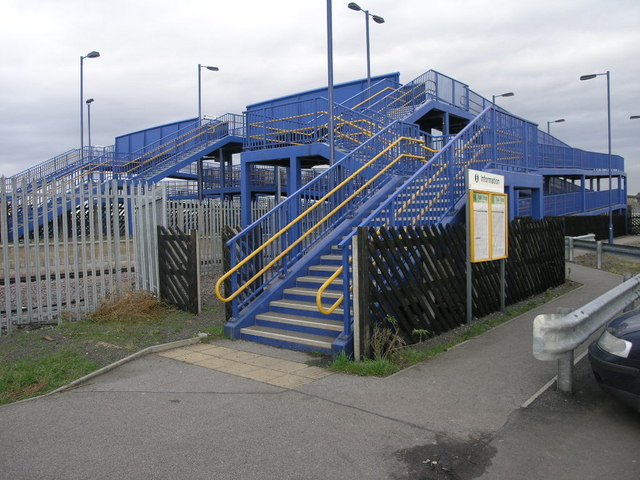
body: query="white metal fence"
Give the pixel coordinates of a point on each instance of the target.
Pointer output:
(64, 251)
(208, 217)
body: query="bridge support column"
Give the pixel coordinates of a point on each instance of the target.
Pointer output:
(226, 164)
(245, 193)
(294, 181)
(537, 204)
(513, 195)
(200, 180)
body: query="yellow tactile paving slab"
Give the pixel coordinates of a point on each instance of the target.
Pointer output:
(265, 369)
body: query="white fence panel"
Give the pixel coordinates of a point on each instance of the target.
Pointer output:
(65, 250)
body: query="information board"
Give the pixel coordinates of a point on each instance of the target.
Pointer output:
(488, 208)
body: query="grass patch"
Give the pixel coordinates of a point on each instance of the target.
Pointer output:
(213, 333)
(417, 353)
(28, 377)
(381, 367)
(37, 361)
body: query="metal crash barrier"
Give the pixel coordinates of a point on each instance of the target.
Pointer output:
(588, 242)
(556, 336)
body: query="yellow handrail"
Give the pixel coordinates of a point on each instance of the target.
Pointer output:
(372, 96)
(276, 236)
(339, 271)
(321, 290)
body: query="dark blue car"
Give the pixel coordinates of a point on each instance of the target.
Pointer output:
(615, 358)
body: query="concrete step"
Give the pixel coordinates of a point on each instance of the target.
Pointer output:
(315, 281)
(278, 337)
(302, 293)
(294, 306)
(326, 270)
(273, 318)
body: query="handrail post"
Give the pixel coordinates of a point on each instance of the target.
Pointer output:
(234, 279)
(346, 303)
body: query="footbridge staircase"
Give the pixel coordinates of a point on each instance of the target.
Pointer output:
(290, 276)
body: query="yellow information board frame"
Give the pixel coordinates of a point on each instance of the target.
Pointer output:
(489, 226)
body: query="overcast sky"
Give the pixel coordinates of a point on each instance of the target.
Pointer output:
(146, 74)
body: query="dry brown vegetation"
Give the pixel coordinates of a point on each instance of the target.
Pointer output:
(132, 305)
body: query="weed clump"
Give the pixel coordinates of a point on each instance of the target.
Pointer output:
(131, 306)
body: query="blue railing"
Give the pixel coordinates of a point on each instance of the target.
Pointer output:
(306, 121)
(431, 85)
(554, 156)
(546, 139)
(166, 150)
(267, 248)
(59, 165)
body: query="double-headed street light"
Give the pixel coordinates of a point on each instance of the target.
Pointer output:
(589, 77)
(92, 54)
(377, 19)
(508, 94)
(560, 120)
(200, 67)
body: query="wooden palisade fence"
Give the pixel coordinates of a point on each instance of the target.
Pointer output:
(417, 275)
(179, 268)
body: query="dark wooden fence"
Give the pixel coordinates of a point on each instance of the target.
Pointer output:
(634, 219)
(599, 224)
(417, 275)
(178, 263)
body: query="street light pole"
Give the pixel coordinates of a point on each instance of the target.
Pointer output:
(92, 54)
(200, 67)
(560, 120)
(589, 77)
(377, 19)
(89, 102)
(330, 80)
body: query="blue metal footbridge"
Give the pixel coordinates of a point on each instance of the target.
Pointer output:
(400, 156)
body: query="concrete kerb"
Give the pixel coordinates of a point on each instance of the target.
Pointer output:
(134, 356)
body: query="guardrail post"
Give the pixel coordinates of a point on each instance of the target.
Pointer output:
(565, 364)
(565, 373)
(599, 254)
(632, 305)
(571, 249)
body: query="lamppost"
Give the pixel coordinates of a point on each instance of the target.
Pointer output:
(92, 54)
(634, 117)
(200, 67)
(89, 102)
(330, 80)
(377, 19)
(560, 120)
(508, 94)
(589, 77)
